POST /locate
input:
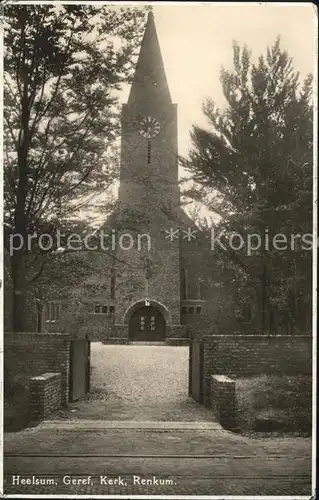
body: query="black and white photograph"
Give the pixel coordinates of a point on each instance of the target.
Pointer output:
(158, 249)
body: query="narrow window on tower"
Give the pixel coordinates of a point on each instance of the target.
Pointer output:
(184, 284)
(149, 151)
(112, 284)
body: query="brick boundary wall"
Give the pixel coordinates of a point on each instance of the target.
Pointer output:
(168, 341)
(176, 341)
(32, 354)
(175, 332)
(248, 355)
(223, 398)
(44, 395)
(113, 340)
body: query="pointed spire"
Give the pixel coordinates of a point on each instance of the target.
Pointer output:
(150, 83)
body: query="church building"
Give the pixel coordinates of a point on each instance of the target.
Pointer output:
(157, 280)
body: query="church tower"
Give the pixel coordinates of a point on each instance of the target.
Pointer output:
(149, 170)
(148, 297)
(149, 285)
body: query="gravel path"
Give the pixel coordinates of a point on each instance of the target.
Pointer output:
(143, 373)
(138, 382)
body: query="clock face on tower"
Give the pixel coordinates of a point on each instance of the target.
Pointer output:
(149, 127)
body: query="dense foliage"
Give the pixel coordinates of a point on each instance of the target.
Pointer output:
(64, 65)
(254, 165)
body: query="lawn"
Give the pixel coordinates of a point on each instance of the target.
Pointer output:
(270, 403)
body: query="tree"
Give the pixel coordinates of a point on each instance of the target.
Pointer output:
(75, 273)
(63, 67)
(254, 163)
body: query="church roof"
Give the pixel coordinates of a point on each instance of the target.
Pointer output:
(149, 83)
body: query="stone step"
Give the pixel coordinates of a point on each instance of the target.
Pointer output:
(144, 342)
(87, 424)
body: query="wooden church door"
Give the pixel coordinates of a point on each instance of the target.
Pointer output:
(147, 324)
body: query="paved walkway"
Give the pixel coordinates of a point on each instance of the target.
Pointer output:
(191, 461)
(138, 382)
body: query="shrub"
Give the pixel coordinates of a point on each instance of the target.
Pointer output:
(274, 403)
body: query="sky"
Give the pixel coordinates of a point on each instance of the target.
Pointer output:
(196, 40)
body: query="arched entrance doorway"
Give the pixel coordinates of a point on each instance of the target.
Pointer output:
(147, 324)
